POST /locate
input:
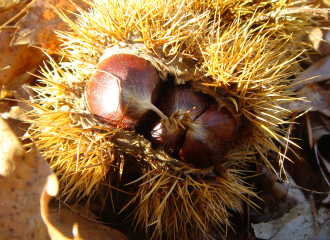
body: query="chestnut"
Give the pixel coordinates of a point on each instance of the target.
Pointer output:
(183, 98)
(123, 90)
(210, 137)
(182, 106)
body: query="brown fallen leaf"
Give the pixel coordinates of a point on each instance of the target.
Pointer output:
(26, 186)
(318, 72)
(318, 95)
(22, 179)
(4, 107)
(38, 25)
(12, 106)
(297, 224)
(304, 169)
(319, 126)
(12, 118)
(315, 37)
(16, 60)
(50, 190)
(9, 12)
(64, 218)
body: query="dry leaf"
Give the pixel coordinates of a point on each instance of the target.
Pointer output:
(318, 72)
(37, 27)
(324, 47)
(4, 107)
(315, 37)
(64, 219)
(297, 224)
(18, 89)
(9, 13)
(12, 119)
(15, 60)
(22, 179)
(319, 38)
(12, 108)
(26, 186)
(50, 190)
(319, 125)
(318, 95)
(276, 197)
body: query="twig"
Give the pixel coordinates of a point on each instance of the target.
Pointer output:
(309, 130)
(316, 225)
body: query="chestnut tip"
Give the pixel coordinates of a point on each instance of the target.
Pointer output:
(182, 106)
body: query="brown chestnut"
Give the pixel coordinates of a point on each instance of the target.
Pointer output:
(210, 137)
(182, 105)
(120, 81)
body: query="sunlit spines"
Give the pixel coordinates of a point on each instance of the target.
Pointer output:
(164, 198)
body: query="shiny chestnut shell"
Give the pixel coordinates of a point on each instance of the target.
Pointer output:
(117, 79)
(210, 138)
(182, 98)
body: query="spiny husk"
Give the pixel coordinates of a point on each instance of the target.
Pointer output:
(185, 201)
(227, 49)
(252, 71)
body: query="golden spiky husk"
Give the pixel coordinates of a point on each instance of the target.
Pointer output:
(184, 201)
(228, 49)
